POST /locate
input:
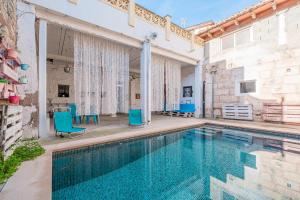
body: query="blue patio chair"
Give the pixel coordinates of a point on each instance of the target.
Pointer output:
(63, 123)
(73, 111)
(94, 117)
(135, 118)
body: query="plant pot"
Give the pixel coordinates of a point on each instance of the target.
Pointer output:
(2, 80)
(2, 85)
(24, 67)
(23, 80)
(12, 54)
(14, 100)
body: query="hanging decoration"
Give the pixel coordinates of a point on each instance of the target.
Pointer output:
(173, 84)
(157, 81)
(101, 75)
(166, 83)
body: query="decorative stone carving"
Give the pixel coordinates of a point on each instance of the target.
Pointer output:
(151, 17)
(74, 1)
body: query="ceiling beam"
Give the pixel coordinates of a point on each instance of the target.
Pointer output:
(236, 22)
(60, 58)
(274, 5)
(209, 35)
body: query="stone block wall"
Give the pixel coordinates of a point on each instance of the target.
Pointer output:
(275, 67)
(8, 20)
(57, 76)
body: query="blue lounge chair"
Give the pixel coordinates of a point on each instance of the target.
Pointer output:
(63, 123)
(135, 118)
(73, 111)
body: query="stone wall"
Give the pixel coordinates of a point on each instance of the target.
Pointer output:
(57, 76)
(275, 66)
(8, 19)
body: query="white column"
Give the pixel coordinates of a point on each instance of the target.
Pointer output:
(149, 69)
(168, 27)
(146, 82)
(198, 90)
(131, 13)
(42, 79)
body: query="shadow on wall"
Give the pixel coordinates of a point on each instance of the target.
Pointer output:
(223, 85)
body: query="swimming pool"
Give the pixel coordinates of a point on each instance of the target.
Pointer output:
(201, 163)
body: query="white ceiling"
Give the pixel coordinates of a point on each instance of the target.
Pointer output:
(60, 41)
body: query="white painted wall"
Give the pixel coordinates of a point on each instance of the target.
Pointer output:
(135, 89)
(187, 79)
(56, 76)
(26, 44)
(105, 16)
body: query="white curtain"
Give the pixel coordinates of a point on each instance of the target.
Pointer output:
(173, 84)
(101, 76)
(157, 79)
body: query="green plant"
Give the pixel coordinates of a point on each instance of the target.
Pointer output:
(27, 150)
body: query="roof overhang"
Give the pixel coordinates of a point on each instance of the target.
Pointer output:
(259, 11)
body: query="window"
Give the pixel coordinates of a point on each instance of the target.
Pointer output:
(235, 39)
(242, 37)
(227, 42)
(247, 87)
(63, 91)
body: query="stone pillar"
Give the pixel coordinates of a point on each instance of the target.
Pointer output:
(168, 27)
(193, 41)
(131, 13)
(43, 78)
(198, 90)
(146, 82)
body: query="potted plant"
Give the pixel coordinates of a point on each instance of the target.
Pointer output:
(24, 67)
(23, 80)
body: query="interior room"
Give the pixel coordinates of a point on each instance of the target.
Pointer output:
(171, 86)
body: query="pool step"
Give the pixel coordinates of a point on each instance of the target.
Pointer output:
(237, 135)
(213, 128)
(205, 131)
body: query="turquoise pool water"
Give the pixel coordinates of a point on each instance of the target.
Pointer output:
(202, 163)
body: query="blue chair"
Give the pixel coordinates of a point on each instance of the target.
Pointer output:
(94, 117)
(63, 123)
(135, 118)
(73, 111)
